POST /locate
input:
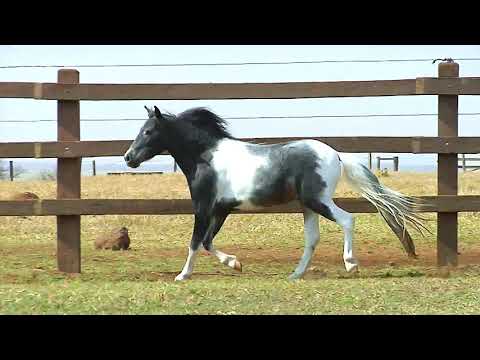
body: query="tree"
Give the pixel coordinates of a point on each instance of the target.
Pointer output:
(18, 170)
(47, 175)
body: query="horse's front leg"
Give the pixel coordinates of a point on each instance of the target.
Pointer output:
(215, 226)
(200, 229)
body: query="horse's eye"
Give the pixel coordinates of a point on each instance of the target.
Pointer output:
(147, 132)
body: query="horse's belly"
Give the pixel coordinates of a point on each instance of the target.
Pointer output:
(247, 205)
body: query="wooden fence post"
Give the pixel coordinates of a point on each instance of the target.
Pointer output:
(447, 176)
(395, 163)
(11, 170)
(370, 161)
(68, 178)
(94, 168)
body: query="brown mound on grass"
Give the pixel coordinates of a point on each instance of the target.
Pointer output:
(25, 196)
(117, 239)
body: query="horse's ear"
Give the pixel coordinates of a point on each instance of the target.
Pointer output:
(158, 114)
(149, 111)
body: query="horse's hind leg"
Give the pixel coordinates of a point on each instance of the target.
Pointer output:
(347, 222)
(316, 194)
(312, 236)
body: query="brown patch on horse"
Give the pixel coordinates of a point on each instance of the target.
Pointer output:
(117, 239)
(288, 194)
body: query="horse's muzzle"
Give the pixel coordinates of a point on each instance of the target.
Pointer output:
(130, 161)
(133, 164)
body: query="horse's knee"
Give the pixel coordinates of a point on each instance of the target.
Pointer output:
(195, 244)
(207, 245)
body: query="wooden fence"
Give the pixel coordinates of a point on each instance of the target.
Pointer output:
(68, 92)
(394, 159)
(464, 165)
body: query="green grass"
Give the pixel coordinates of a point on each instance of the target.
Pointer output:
(121, 291)
(140, 281)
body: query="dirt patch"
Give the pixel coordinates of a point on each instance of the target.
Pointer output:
(323, 255)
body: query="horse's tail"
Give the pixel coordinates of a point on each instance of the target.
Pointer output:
(397, 209)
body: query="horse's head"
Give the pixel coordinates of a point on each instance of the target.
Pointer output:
(150, 141)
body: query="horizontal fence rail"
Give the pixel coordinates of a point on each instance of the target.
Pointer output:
(202, 91)
(363, 144)
(47, 207)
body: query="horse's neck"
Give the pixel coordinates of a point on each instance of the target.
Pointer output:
(189, 151)
(188, 159)
(185, 163)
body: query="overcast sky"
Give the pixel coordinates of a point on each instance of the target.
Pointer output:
(22, 109)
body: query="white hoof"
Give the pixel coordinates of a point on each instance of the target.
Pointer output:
(181, 277)
(232, 262)
(235, 264)
(351, 267)
(295, 276)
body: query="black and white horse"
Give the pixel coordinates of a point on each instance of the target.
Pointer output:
(226, 174)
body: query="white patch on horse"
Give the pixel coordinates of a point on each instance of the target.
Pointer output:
(236, 167)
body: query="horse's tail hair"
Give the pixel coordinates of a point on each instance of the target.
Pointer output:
(398, 210)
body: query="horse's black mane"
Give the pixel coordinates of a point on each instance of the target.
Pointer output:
(204, 119)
